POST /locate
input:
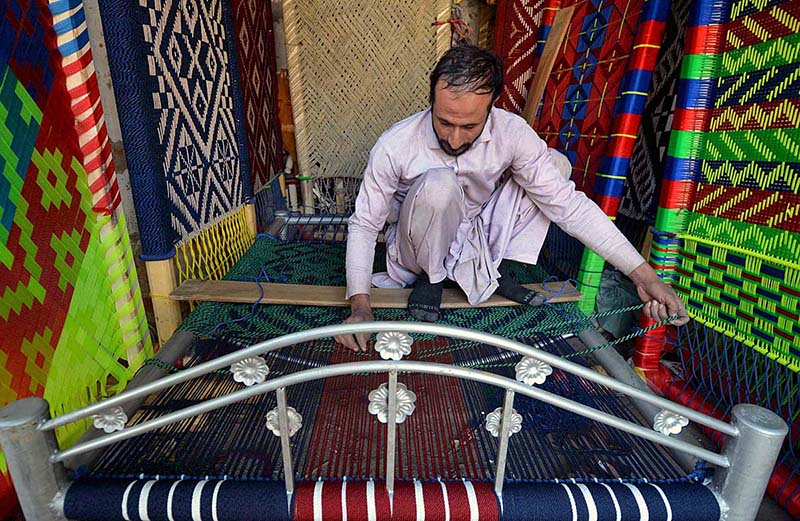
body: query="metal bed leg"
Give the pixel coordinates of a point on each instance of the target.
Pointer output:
(752, 456)
(502, 449)
(27, 450)
(286, 449)
(391, 437)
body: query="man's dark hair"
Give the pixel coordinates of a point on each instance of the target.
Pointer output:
(470, 69)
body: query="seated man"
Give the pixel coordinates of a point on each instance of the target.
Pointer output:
(467, 187)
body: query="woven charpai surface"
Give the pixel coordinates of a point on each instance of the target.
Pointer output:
(70, 311)
(356, 68)
(255, 44)
(580, 96)
(445, 436)
(176, 80)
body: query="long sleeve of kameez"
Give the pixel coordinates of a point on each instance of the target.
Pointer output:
(570, 209)
(372, 209)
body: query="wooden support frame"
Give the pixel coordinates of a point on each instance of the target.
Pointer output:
(163, 281)
(305, 295)
(558, 32)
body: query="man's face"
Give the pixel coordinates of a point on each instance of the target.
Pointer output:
(459, 117)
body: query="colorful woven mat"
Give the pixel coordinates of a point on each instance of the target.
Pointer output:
(732, 190)
(255, 44)
(176, 80)
(70, 309)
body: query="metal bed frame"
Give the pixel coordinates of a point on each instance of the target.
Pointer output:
(36, 464)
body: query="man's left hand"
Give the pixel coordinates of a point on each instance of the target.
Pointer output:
(660, 301)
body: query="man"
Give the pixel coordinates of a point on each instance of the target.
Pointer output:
(467, 187)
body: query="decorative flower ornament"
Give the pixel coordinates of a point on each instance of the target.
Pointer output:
(250, 371)
(274, 424)
(495, 418)
(393, 345)
(531, 371)
(110, 420)
(379, 403)
(668, 422)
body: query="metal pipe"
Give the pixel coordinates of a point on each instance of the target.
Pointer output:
(386, 366)
(391, 436)
(752, 456)
(617, 367)
(37, 480)
(411, 327)
(176, 347)
(502, 449)
(286, 448)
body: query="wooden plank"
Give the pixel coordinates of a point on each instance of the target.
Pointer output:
(552, 46)
(303, 295)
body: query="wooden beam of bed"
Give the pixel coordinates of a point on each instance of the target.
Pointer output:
(304, 295)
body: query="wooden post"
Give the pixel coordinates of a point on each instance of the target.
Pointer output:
(250, 215)
(307, 189)
(556, 37)
(339, 190)
(161, 275)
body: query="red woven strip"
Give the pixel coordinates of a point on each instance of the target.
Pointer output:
(675, 194)
(356, 500)
(76, 65)
(691, 119)
(648, 45)
(383, 509)
(101, 159)
(405, 504)
(704, 39)
(769, 25)
(433, 496)
(332, 500)
(488, 509)
(457, 500)
(608, 204)
(304, 502)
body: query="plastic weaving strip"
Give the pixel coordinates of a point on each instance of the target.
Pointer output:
(213, 252)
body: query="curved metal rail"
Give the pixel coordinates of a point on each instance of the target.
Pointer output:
(408, 327)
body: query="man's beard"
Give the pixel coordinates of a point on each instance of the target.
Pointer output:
(457, 151)
(450, 151)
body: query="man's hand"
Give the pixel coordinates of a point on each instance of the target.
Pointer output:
(660, 301)
(360, 311)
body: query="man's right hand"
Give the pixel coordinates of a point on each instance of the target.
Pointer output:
(360, 311)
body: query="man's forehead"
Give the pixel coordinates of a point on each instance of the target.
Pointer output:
(459, 105)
